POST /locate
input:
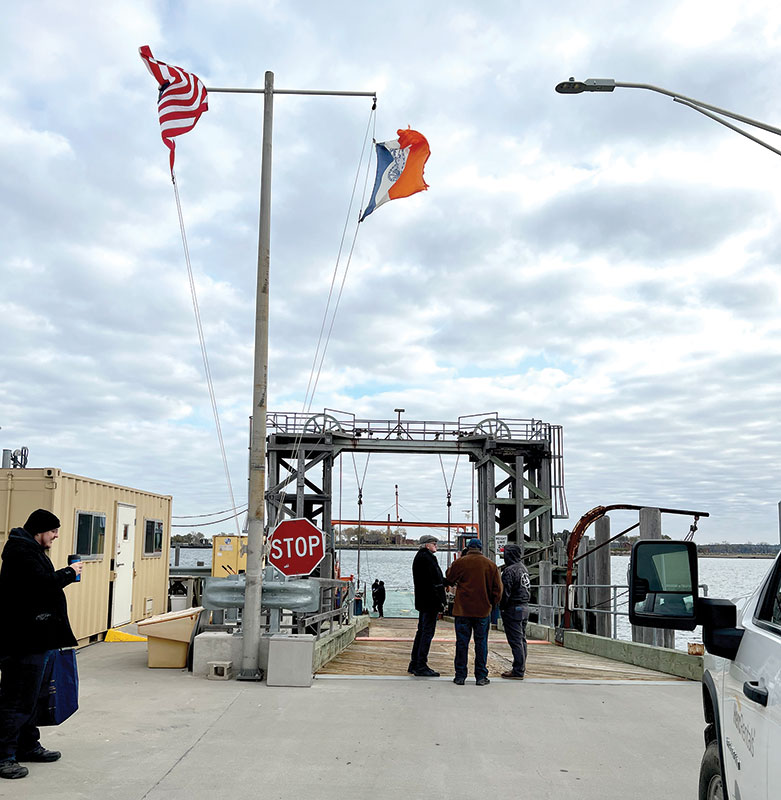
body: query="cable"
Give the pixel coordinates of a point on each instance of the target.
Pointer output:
(336, 266)
(346, 270)
(202, 341)
(211, 514)
(309, 395)
(215, 522)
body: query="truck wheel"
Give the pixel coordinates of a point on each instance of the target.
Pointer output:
(711, 787)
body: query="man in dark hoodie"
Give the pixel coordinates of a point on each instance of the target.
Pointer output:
(33, 624)
(429, 601)
(515, 608)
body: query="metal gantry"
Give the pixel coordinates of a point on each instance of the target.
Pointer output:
(519, 465)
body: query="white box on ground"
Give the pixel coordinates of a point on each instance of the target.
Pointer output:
(290, 659)
(178, 602)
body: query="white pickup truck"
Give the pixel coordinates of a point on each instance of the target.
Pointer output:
(741, 683)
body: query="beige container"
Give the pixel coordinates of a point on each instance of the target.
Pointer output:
(168, 637)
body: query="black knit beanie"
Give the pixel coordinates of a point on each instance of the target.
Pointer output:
(41, 521)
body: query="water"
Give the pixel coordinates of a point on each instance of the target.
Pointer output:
(732, 578)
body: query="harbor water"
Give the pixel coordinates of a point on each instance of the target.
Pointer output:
(732, 578)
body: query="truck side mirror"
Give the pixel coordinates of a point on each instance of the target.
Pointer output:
(663, 585)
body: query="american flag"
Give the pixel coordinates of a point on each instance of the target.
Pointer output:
(181, 101)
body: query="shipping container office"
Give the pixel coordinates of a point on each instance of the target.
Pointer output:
(122, 535)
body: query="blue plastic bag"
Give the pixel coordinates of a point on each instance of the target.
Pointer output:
(62, 698)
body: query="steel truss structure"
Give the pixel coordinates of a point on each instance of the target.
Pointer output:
(519, 465)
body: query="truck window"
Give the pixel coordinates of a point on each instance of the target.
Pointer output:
(770, 610)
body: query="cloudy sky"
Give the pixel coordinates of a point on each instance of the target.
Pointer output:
(606, 262)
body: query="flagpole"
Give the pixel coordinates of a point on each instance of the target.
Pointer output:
(251, 619)
(250, 670)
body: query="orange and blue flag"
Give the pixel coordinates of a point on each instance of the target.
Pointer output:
(399, 168)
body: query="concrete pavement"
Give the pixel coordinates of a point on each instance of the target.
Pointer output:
(144, 734)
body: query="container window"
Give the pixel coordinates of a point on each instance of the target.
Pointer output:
(153, 537)
(90, 534)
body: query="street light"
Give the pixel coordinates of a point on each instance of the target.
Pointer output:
(714, 112)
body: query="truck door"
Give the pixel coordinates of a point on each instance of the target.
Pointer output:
(751, 690)
(768, 619)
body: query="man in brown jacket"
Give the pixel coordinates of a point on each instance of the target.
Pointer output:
(478, 589)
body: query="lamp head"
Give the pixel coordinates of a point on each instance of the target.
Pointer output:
(591, 85)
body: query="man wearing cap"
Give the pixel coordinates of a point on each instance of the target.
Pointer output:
(478, 589)
(429, 601)
(33, 624)
(515, 608)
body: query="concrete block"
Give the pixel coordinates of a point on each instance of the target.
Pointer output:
(220, 670)
(290, 659)
(215, 646)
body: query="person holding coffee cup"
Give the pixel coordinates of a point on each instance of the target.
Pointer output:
(33, 625)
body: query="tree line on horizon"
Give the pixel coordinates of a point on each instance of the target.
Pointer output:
(624, 544)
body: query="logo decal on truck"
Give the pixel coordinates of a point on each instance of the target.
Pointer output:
(732, 752)
(746, 732)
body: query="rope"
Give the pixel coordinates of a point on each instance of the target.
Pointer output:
(449, 490)
(344, 276)
(312, 386)
(207, 369)
(307, 398)
(360, 483)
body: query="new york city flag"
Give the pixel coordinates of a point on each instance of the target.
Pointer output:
(399, 168)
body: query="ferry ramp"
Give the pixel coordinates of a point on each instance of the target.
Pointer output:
(385, 652)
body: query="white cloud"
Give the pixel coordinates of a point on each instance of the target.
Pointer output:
(607, 263)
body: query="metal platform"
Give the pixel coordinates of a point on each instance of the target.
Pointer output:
(519, 502)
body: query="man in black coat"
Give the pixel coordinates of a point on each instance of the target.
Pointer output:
(33, 625)
(429, 601)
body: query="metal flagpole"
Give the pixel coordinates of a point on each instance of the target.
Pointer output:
(257, 461)
(250, 670)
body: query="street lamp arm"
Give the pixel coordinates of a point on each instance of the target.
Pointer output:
(732, 127)
(698, 105)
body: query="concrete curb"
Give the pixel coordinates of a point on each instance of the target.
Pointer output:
(661, 659)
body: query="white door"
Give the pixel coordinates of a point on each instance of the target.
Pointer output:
(751, 696)
(124, 555)
(769, 619)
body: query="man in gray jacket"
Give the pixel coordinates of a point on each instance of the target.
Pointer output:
(515, 608)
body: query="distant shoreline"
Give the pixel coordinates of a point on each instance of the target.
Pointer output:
(710, 555)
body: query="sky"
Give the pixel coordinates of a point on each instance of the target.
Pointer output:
(603, 262)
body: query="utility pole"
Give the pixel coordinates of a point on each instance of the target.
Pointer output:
(257, 472)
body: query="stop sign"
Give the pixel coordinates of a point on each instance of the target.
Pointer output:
(296, 547)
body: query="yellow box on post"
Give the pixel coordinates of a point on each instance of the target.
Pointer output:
(168, 637)
(229, 555)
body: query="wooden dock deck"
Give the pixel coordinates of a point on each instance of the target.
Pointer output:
(385, 651)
